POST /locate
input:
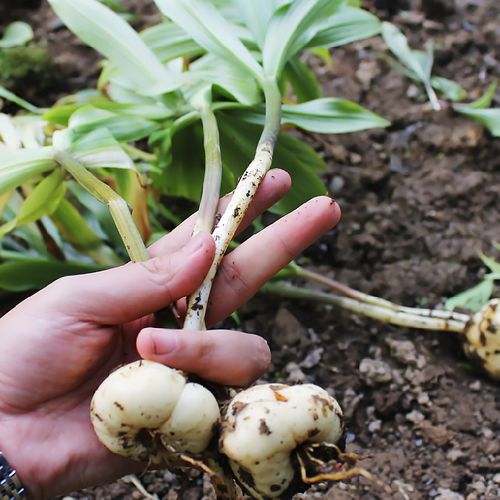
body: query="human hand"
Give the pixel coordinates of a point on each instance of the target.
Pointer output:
(58, 345)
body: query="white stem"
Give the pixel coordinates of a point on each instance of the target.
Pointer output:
(242, 196)
(225, 229)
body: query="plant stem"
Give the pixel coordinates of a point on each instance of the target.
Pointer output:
(432, 96)
(377, 301)
(118, 207)
(383, 314)
(213, 171)
(238, 205)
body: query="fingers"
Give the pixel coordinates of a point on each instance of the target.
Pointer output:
(221, 356)
(274, 185)
(249, 266)
(128, 292)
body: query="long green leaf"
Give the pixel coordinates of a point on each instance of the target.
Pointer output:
(256, 15)
(348, 25)
(17, 167)
(9, 96)
(105, 31)
(169, 41)
(328, 115)
(122, 127)
(43, 200)
(291, 28)
(489, 118)
(207, 26)
(214, 71)
(35, 273)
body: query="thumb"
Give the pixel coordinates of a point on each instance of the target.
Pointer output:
(134, 290)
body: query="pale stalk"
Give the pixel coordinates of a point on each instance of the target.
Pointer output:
(118, 207)
(242, 196)
(377, 301)
(393, 317)
(432, 97)
(213, 171)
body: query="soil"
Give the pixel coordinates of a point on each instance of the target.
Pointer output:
(419, 201)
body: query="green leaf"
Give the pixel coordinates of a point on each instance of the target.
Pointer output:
(35, 273)
(228, 77)
(169, 41)
(415, 61)
(302, 79)
(238, 139)
(291, 28)
(99, 149)
(122, 127)
(43, 200)
(448, 88)
(490, 263)
(489, 118)
(328, 115)
(17, 167)
(331, 116)
(473, 298)
(256, 15)
(348, 25)
(486, 99)
(105, 31)
(9, 96)
(16, 34)
(207, 26)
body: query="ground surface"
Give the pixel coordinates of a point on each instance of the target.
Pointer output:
(419, 200)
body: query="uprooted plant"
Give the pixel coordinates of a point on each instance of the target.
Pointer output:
(479, 329)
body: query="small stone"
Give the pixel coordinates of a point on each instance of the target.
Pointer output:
(367, 71)
(415, 417)
(479, 486)
(312, 359)
(496, 478)
(454, 455)
(295, 374)
(423, 398)
(355, 158)
(374, 426)
(336, 184)
(475, 386)
(446, 494)
(487, 433)
(287, 328)
(374, 371)
(403, 351)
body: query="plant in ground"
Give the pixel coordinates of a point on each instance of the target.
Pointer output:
(417, 65)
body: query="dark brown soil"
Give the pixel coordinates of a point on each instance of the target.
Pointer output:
(419, 201)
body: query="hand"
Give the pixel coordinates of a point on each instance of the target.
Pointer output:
(58, 345)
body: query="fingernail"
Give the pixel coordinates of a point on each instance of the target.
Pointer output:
(163, 343)
(194, 244)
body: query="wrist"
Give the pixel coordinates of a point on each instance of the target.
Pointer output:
(10, 483)
(21, 454)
